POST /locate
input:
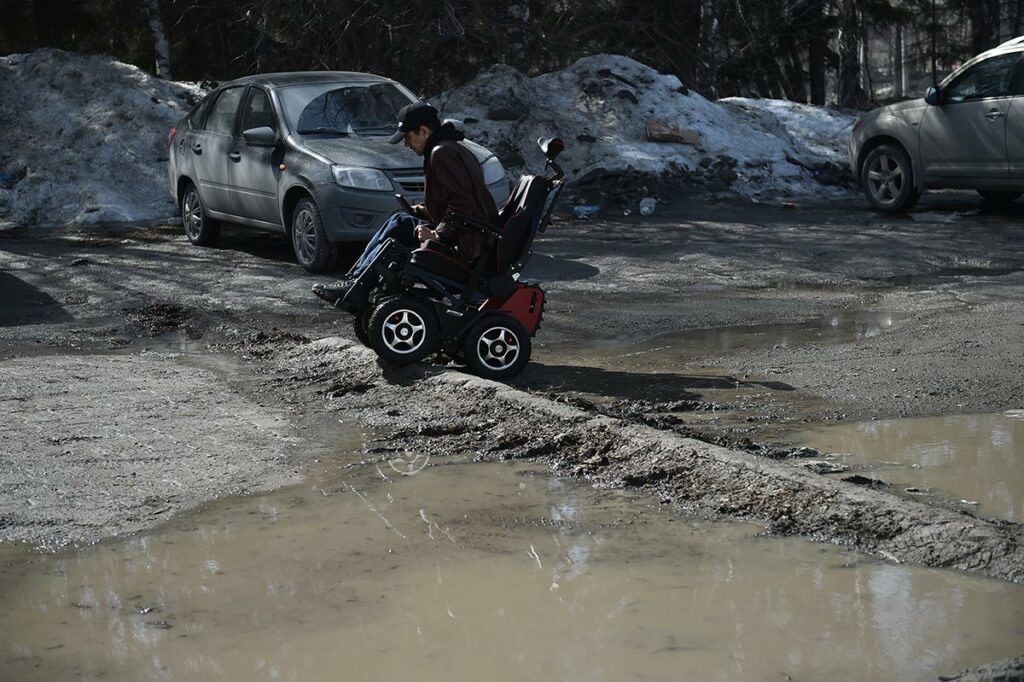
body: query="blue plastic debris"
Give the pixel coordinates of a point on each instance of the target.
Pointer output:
(585, 211)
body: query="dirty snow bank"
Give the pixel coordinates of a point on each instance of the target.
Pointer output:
(83, 139)
(601, 104)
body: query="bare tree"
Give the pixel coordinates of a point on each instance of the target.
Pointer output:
(161, 48)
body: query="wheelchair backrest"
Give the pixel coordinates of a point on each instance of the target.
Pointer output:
(520, 217)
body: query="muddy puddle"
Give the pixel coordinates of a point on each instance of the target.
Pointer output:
(978, 458)
(676, 367)
(670, 352)
(482, 571)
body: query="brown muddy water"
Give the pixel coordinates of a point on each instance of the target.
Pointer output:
(978, 458)
(482, 571)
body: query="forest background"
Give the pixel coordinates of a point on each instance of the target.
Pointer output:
(850, 53)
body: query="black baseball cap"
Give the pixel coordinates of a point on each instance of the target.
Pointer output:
(412, 116)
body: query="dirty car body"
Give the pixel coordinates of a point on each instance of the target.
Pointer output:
(302, 153)
(967, 133)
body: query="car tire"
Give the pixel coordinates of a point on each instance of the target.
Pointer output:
(497, 347)
(403, 330)
(999, 196)
(887, 178)
(201, 229)
(309, 240)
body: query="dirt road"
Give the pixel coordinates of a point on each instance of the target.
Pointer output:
(129, 357)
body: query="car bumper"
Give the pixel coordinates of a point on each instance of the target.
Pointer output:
(355, 215)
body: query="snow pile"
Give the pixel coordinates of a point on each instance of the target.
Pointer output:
(83, 139)
(601, 104)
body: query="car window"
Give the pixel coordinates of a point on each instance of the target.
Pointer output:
(369, 109)
(222, 116)
(990, 78)
(258, 112)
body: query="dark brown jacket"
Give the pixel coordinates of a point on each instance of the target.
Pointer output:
(454, 181)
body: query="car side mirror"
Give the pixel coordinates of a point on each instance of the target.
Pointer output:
(264, 136)
(931, 96)
(457, 123)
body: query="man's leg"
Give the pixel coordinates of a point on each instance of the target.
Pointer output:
(401, 227)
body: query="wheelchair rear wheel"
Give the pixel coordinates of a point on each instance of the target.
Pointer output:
(403, 330)
(497, 347)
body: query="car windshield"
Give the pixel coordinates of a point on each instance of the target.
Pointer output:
(343, 108)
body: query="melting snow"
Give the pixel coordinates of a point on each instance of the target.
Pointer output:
(83, 138)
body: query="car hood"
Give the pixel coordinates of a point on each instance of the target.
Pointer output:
(373, 152)
(902, 109)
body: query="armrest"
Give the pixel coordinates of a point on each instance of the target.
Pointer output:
(465, 222)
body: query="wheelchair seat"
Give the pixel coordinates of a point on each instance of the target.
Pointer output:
(519, 219)
(442, 260)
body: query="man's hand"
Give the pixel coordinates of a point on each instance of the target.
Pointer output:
(420, 211)
(423, 233)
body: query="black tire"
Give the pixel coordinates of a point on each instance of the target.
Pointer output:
(360, 325)
(309, 241)
(887, 179)
(497, 347)
(403, 330)
(201, 229)
(999, 196)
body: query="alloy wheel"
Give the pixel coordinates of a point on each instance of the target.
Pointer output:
(404, 331)
(192, 215)
(304, 235)
(498, 348)
(885, 179)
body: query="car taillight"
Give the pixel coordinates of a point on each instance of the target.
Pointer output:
(170, 136)
(858, 122)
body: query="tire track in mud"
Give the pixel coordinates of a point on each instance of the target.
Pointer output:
(443, 412)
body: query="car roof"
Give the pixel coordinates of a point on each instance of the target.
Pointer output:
(307, 77)
(1012, 45)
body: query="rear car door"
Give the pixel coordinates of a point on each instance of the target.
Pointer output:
(254, 170)
(210, 147)
(964, 137)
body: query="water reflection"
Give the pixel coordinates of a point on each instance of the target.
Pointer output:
(974, 457)
(470, 571)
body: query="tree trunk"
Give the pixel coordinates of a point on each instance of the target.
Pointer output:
(161, 50)
(816, 50)
(851, 89)
(899, 72)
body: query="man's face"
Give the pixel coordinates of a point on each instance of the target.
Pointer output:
(416, 140)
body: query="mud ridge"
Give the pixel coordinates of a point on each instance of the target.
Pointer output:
(441, 412)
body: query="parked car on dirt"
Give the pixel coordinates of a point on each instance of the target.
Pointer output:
(967, 133)
(304, 153)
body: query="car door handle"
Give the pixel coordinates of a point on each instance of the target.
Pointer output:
(235, 156)
(197, 148)
(993, 115)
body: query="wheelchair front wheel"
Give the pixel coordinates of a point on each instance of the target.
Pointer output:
(403, 330)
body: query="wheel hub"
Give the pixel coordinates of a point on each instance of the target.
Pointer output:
(498, 348)
(404, 331)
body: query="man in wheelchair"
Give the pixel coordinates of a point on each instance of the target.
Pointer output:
(455, 288)
(454, 184)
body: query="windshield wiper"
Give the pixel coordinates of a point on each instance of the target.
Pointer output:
(383, 127)
(323, 130)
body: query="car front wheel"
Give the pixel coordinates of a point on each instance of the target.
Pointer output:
(200, 229)
(312, 250)
(887, 179)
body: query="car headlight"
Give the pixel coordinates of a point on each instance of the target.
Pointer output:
(362, 178)
(493, 170)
